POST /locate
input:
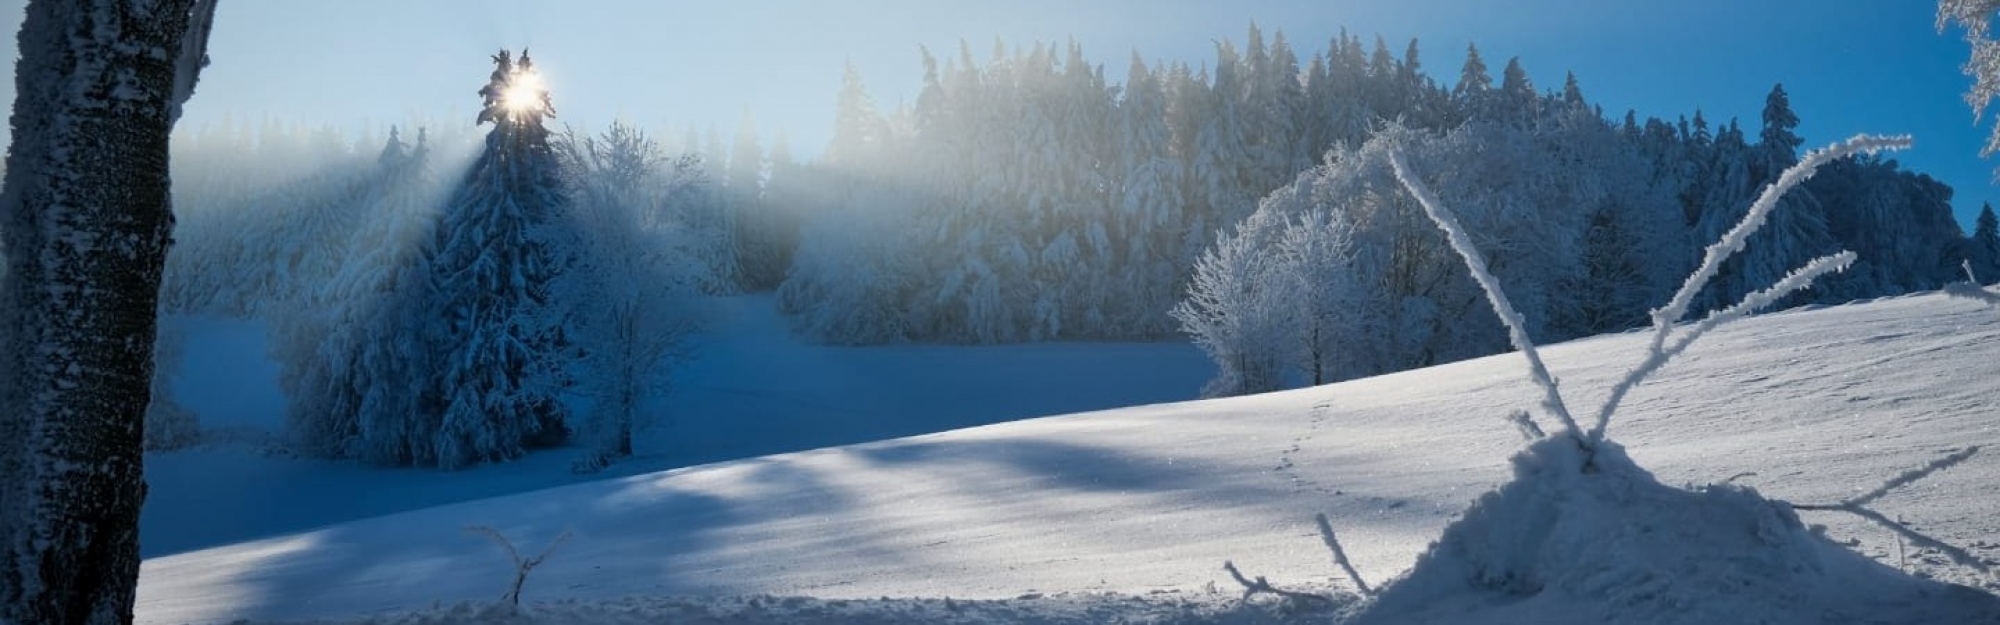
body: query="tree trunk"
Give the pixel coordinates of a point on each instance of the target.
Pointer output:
(86, 226)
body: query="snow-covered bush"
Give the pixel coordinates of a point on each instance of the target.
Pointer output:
(1582, 534)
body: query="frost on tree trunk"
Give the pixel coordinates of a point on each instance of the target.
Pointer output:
(87, 222)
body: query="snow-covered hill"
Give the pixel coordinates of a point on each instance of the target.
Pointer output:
(1147, 502)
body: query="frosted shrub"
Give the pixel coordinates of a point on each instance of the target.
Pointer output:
(1582, 534)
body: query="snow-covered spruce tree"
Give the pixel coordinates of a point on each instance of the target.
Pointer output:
(633, 277)
(1982, 247)
(87, 220)
(336, 343)
(495, 337)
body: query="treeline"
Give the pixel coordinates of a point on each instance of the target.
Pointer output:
(1023, 195)
(1026, 197)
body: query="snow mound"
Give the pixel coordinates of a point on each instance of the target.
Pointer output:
(1612, 544)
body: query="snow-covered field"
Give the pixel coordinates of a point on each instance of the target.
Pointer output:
(752, 390)
(1119, 515)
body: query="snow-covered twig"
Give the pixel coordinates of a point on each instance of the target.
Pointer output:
(1732, 242)
(1517, 331)
(1340, 555)
(1260, 585)
(1657, 356)
(1857, 506)
(522, 566)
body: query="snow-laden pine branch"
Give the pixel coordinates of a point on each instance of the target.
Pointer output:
(1658, 356)
(1517, 331)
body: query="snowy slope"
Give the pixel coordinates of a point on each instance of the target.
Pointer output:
(751, 390)
(1817, 404)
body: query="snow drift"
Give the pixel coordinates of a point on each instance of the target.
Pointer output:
(1561, 545)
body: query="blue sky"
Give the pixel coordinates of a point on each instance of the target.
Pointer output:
(1850, 65)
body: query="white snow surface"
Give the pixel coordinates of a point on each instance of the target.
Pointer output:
(1126, 515)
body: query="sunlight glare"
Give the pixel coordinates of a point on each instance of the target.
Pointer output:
(524, 93)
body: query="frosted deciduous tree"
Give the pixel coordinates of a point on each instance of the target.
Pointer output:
(1236, 310)
(1976, 17)
(87, 212)
(630, 286)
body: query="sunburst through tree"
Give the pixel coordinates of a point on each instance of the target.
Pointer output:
(494, 388)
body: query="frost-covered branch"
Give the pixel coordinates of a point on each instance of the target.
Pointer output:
(1857, 506)
(1976, 16)
(1340, 555)
(522, 566)
(1517, 331)
(1657, 356)
(1733, 241)
(1252, 588)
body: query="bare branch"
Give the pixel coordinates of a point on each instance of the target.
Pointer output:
(522, 566)
(1475, 263)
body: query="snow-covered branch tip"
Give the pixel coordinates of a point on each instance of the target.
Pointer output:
(1258, 586)
(522, 566)
(1733, 241)
(1657, 356)
(1517, 331)
(1340, 555)
(1857, 506)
